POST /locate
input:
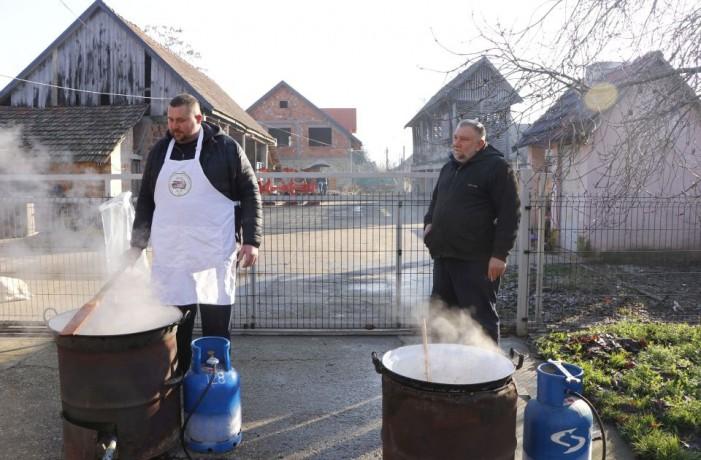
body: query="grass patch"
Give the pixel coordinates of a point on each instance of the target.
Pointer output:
(645, 378)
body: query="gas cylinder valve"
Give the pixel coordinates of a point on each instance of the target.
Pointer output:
(212, 361)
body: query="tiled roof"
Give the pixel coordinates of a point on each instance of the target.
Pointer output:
(87, 134)
(345, 117)
(569, 118)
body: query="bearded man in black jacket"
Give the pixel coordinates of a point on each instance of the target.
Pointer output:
(471, 226)
(194, 180)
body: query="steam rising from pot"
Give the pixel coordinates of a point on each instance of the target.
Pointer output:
(128, 307)
(454, 325)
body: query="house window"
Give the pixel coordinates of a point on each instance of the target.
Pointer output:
(282, 135)
(440, 128)
(319, 137)
(283, 104)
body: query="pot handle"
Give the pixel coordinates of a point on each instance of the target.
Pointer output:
(520, 355)
(379, 367)
(185, 316)
(173, 381)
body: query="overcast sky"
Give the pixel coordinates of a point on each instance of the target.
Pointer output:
(371, 55)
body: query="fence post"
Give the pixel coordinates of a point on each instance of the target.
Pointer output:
(540, 251)
(254, 298)
(398, 261)
(525, 176)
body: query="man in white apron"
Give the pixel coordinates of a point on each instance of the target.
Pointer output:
(193, 181)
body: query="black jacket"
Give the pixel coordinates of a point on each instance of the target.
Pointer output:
(227, 168)
(474, 209)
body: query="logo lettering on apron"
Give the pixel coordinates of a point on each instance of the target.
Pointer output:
(179, 184)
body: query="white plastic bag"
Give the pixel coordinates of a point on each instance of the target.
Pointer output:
(12, 289)
(117, 220)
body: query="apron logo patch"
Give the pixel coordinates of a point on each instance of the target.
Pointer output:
(179, 184)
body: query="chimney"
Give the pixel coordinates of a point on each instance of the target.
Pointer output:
(595, 72)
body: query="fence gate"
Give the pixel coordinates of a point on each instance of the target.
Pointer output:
(338, 262)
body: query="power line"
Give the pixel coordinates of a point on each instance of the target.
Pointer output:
(72, 12)
(302, 137)
(67, 88)
(324, 144)
(120, 94)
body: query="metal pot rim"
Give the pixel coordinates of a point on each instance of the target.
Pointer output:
(499, 374)
(167, 325)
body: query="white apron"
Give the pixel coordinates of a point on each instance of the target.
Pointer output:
(194, 245)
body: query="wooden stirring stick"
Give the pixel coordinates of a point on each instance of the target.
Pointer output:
(426, 366)
(78, 320)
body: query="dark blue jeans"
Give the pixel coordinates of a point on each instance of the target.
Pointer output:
(215, 322)
(464, 284)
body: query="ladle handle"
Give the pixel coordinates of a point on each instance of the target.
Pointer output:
(569, 378)
(520, 355)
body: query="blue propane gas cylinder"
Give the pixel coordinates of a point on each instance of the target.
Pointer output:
(557, 425)
(212, 398)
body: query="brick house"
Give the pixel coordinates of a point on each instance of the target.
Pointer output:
(305, 133)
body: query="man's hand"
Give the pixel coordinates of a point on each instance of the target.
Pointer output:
(497, 267)
(248, 255)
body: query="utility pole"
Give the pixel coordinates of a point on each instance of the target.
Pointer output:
(350, 153)
(386, 159)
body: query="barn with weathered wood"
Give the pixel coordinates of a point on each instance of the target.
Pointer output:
(104, 60)
(479, 92)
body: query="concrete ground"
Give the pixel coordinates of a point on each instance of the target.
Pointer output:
(304, 397)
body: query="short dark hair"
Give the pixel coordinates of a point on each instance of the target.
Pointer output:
(474, 124)
(187, 100)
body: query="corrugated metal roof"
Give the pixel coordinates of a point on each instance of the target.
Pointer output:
(85, 134)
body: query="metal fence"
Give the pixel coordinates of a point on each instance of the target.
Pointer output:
(600, 258)
(356, 261)
(337, 261)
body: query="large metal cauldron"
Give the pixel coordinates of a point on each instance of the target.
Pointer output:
(466, 411)
(121, 387)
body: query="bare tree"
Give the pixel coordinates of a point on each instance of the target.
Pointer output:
(171, 38)
(653, 52)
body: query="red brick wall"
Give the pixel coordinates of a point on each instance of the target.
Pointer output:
(299, 116)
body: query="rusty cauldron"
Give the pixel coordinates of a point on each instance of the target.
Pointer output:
(119, 392)
(464, 407)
